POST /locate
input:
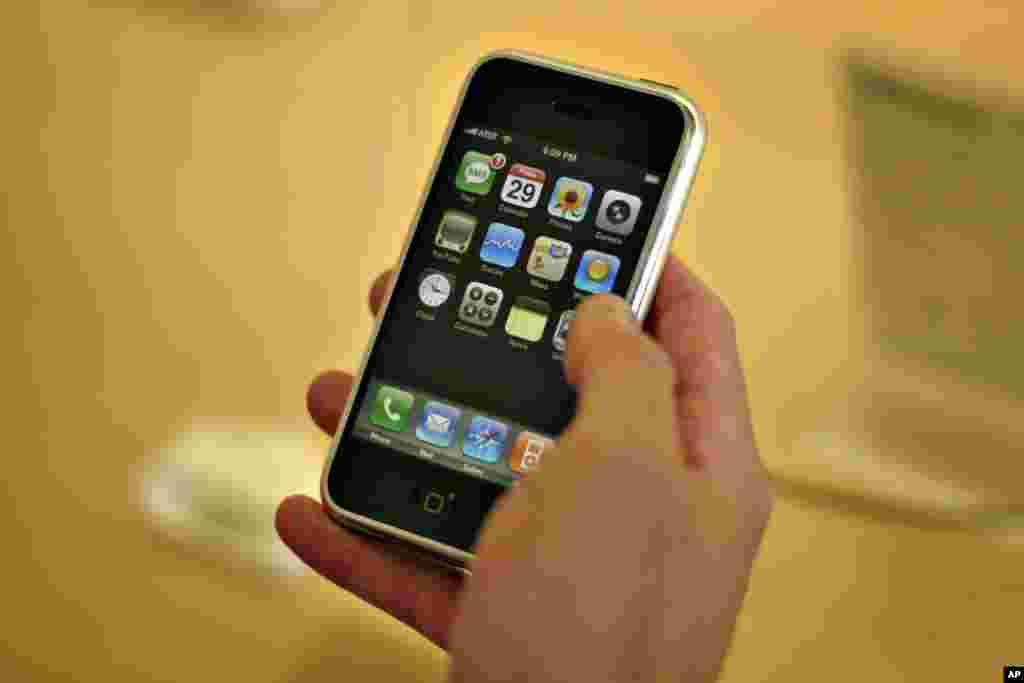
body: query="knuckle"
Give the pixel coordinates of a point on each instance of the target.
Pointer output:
(761, 501)
(637, 353)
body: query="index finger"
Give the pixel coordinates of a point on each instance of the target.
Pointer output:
(624, 379)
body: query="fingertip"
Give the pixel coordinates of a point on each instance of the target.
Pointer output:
(326, 397)
(294, 514)
(609, 306)
(378, 290)
(599, 320)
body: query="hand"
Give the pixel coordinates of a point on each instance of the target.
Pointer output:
(628, 556)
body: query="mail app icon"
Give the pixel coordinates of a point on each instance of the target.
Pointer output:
(437, 424)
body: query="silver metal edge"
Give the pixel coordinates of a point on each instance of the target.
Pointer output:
(639, 295)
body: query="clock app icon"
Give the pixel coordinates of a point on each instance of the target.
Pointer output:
(435, 287)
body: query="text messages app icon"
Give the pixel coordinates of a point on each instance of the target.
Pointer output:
(485, 439)
(437, 424)
(549, 258)
(391, 408)
(501, 245)
(570, 199)
(476, 173)
(597, 272)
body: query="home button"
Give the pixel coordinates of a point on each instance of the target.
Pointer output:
(433, 502)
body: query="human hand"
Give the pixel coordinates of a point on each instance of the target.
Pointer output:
(628, 556)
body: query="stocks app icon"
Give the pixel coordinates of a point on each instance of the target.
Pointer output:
(501, 245)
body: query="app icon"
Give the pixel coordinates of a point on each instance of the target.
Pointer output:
(561, 336)
(570, 199)
(618, 212)
(438, 423)
(502, 244)
(455, 231)
(527, 451)
(485, 439)
(596, 272)
(475, 174)
(435, 287)
(391, 408)
(549, 258)
(528, 318)
(480, 304)
(523, 185)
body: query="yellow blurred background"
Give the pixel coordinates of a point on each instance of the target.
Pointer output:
(196, 202)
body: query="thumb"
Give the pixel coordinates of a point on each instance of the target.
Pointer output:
(624, 379)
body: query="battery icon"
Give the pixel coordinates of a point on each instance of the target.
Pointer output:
(652, 179)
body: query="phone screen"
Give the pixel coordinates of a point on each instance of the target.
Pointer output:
(533, 208)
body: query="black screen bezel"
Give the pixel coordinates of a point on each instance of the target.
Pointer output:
(573, 111)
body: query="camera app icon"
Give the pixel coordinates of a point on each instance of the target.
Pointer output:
(618, 212)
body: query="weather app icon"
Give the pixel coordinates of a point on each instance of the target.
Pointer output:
(501, 245)
(597, 271)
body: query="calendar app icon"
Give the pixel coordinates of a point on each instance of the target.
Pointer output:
(523, 185)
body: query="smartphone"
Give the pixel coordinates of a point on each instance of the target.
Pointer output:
(553, 183)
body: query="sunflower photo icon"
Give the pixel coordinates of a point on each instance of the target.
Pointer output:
(570, 199)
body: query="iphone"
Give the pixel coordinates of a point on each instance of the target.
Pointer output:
(554, 182)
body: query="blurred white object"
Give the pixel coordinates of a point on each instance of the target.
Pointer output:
(214, 489)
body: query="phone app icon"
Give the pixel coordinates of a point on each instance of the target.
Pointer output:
(618, 212)
(528, 318)
(435, 287)
(476, 173)
(527, 452)
(480, 304)
(523, 185)
(485, 439)
(391, 408)
(596, 272)
(455, 231)
(502, 244)
(437, 424)
(570, 199)
(561, 336)
(549, 258)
